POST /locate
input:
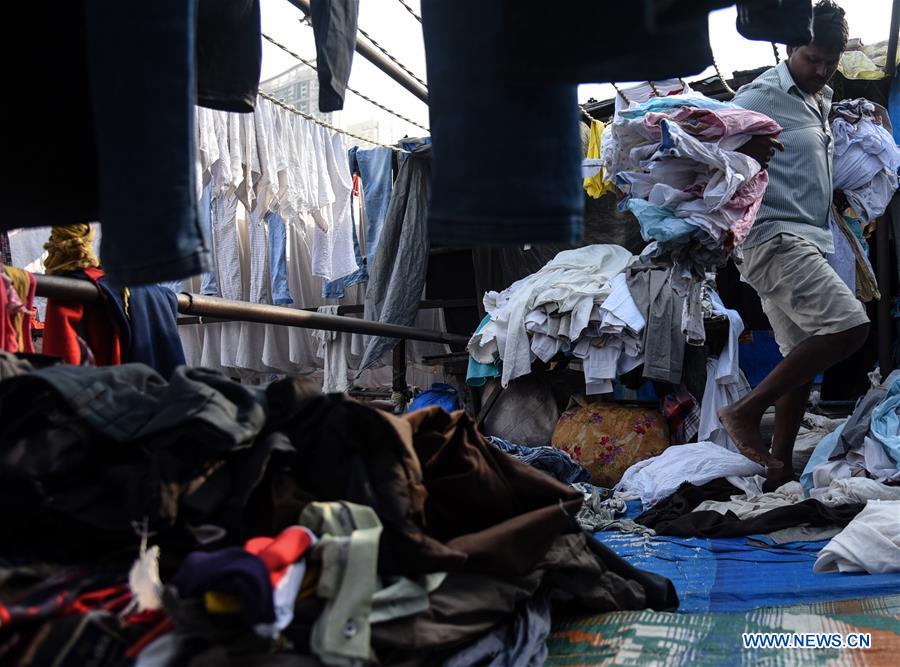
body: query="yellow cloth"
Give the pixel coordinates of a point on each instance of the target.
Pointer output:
(70, 248)
(221, 603)
(597, 185)
(857, 65)
(21, 284)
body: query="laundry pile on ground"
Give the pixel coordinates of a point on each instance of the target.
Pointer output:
(676, 159)
(867, 445)
(704, 490)
(235, 524)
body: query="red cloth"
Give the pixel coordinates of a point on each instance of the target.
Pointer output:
(66, 319)
(279, 553)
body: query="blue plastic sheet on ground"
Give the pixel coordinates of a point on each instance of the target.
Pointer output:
(743, 573)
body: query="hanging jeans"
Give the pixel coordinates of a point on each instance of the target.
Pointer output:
(281, 294)
(374, 167)
(334, 26)
(209, 285)
(507, 157)
(150, 233)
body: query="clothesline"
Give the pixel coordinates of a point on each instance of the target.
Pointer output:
(721, 78)
(292, 109)
(410, 10)
(368, 99)
(391, 57)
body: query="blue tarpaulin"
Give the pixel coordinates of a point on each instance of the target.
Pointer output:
(743, 573)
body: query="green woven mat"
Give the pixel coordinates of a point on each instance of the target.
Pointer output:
(668, 640)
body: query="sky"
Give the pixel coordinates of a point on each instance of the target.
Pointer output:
(401, 34)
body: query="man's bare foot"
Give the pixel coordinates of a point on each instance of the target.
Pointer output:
(745, 434)
(776, 477)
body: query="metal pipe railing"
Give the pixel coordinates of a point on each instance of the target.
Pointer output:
(72, 289)
(890, 66)
(372, 54)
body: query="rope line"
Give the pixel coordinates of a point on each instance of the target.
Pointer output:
(410, 10)
(392, 58)
(288, 107)
(352, 90)
(722, 78)
(621, 94)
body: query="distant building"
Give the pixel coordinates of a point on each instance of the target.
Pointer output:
(299, 87)
(368, 129)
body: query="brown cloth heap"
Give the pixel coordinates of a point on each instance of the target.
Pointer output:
(447, 499)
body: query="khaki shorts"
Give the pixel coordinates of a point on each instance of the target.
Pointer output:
(801, 294)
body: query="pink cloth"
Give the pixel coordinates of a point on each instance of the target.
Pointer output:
(749, 197)
(11, 305)
(710, 125)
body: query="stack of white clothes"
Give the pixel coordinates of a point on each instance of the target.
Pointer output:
(866, 159)
(550, 311)
(641, 92)
(612, 343)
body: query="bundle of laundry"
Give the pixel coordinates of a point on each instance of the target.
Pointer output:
(866, 159)
(864, 61)
(676, 159)
(567, 306)
(866, 445)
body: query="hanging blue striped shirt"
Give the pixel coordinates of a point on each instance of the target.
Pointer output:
(798, 198)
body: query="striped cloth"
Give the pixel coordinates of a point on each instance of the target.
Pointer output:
(225, 241)
(798, 198)
(674, 640)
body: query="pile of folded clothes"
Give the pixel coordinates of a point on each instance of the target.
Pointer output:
(599, 304)
(564, 307)
(676, 160)
(198, 521)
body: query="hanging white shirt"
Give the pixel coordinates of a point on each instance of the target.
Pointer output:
(333, 254)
